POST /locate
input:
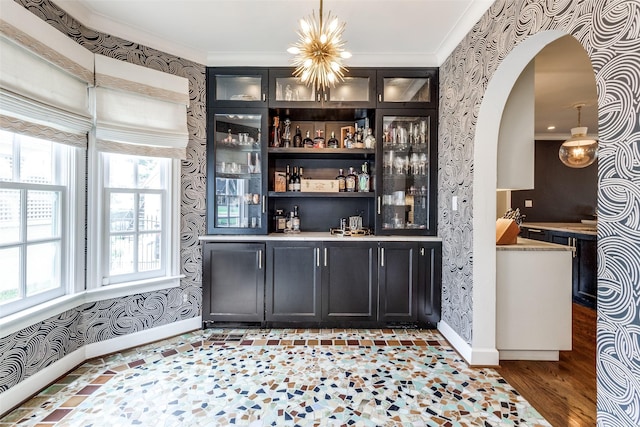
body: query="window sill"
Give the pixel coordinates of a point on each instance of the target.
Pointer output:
(33, 315)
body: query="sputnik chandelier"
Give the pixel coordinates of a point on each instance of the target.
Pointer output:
(319, 51)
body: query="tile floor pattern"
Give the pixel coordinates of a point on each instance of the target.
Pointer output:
(285, 377)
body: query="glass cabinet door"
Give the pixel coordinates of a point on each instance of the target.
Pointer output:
(357, 89)
(236, 201)
(405, 176)
(286, 90)
(231, 87)
(410, 89)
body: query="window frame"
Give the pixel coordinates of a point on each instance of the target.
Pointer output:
(68, 173)
(98, 281)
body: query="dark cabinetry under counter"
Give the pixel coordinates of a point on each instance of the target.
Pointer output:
(233, 282)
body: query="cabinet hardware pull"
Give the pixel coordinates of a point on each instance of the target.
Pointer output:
(318, 97)
(326, 98)
(264, 203)
(535, 230)
(381, 257)
(325, 257)
(379, 97)
(317, 251)
(264, 97)
(422, 251)
(260, 259)
(379, 205)
(574, 247)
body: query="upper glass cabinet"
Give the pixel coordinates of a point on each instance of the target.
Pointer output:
(237, 87)
(236, 202)
(407, 88)
(357, 90)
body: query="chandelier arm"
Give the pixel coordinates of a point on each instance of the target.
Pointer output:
(321, 16)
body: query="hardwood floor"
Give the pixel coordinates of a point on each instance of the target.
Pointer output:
(564, 392)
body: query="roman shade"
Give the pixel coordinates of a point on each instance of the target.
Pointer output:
(140, 111)
(44, 79)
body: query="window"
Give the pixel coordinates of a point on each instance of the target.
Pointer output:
(35, 210)
(136, 214)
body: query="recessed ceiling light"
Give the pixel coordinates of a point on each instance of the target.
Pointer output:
(552, 127)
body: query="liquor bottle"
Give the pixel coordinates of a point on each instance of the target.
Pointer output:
(348, 141)
(333, 142)
(307, 141)
(342, 181)
(294, 181)
(290, 178)
(358, 143)
(369, 140)
(279, 221)
(318, 141)
(351, 181)
(275, 133)
(297, 182)
(295, 220)
(286, 135)
(364, 180)
(297, 138)
(301, 173)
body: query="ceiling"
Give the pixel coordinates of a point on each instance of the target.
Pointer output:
(379, 33)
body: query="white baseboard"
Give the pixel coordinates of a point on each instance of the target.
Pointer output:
(36, 382)
(461, 346)
(143, 337)
(473, 356)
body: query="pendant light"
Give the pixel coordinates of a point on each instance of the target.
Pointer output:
(579, 151)
(319, 50)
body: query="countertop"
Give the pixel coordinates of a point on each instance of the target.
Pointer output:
(314, 236)
(569, 227)
(533, 245)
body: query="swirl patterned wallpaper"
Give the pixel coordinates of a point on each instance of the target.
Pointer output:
(32, 349)
(609, 31)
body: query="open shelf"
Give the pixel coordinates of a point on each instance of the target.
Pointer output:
(303, 194)
(322, 153)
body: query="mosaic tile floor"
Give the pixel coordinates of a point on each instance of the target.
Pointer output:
(285, 377)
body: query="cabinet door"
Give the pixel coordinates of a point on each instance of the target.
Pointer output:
(585, 272)
(237, 87)
(406, 177)
(349, 282)
(236, 166)
(397, 282)
(287, 91)
(429, 284)
(233, 282)
(293, 281)
(407, 88)
(356, 90)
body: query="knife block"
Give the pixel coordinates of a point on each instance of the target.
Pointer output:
(506, 232)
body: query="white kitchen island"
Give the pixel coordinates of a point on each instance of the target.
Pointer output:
(534, 298)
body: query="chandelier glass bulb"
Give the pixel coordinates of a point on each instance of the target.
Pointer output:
(579, 151)
(319, 51)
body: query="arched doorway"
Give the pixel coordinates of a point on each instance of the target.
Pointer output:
(484, 193)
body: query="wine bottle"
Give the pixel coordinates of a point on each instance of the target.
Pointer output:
(297, 138)
(296, 220)
(333, 142)
(296, 180)
(342, 181)
(290, 178)
(307, 142)
(351, 181)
